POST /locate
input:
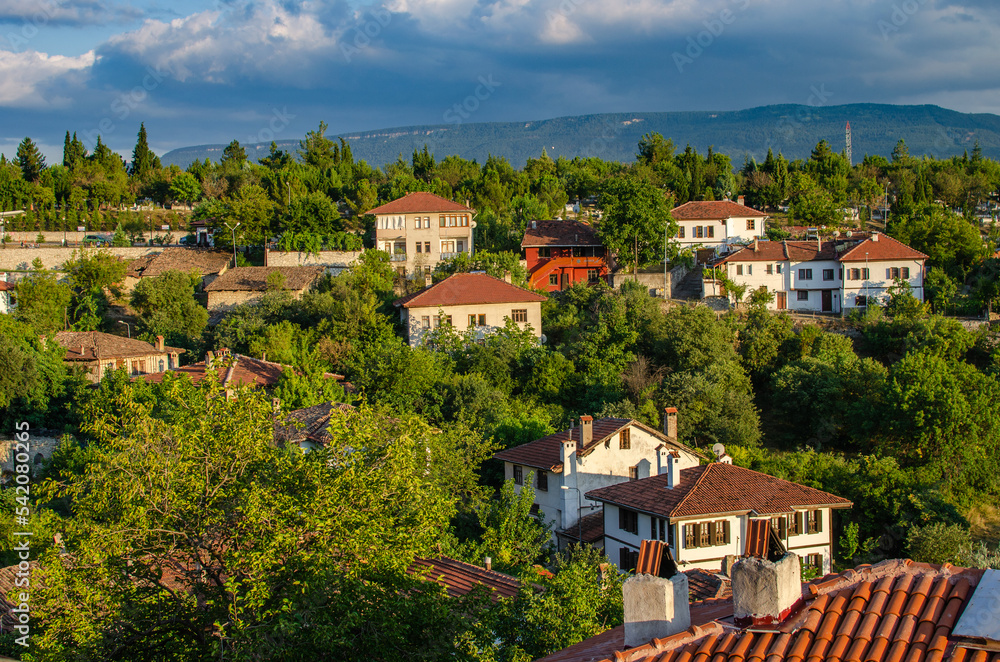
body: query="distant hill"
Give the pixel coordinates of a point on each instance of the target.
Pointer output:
(791, 129)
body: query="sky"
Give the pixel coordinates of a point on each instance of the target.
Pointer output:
(214, 71)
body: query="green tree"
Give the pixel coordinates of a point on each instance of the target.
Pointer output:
(185, 188)
(30, 160)
(165, 306)
(317, 150)
(636, 221)
(144, 161)
(512, 536)
(42, 300)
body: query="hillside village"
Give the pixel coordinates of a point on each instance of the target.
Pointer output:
(579, 411)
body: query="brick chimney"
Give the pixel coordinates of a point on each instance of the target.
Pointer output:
(670, 423)
(209, 359)
(159, 343)
(586, 430)
(765, 593)
(655, 607)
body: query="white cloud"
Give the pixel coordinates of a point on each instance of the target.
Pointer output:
(46, 12)
(37, 80)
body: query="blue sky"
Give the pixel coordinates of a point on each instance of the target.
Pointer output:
(212, 71)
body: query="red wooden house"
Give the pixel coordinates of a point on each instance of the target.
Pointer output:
(562, 253)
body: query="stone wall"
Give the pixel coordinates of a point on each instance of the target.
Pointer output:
(41, 445)
(334, 261)
(653, 280)
(20, 259)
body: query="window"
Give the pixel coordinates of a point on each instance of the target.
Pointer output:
(904, 272)
(815, 560)
(427, 270)
(542, 481)
(628, 559)
(518, 474)
(519, 315)
(680, 232)
(633, 473)
(720, 532)
(427, 244)
(482, 319)
(544, 252)
(814, 521)
(828, 274)
(447, 246)
(749, 270)
(472, 320)
(625, 439)
(861, 300)
(699, 231)
(690, 540)
(553, 279)
(446, 320)
(425, 322)
(710, 231)
(805, 274)
(769, 269)
(780, 526)
(864, 274)
(420, 247)
(461, 246)
(657, 529)
(705, 534)
(751, 225)
(628, 520)
(437, 321)
(477, 320)
(161, 365)
(892, 273)
(802, 295)
(591, 275)
(778, 268)
(739, 269)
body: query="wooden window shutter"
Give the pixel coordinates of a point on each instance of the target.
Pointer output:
(725, 532)
(621, 519)
(782, 527)
(819, 521)
(714, 534)
(798, 524)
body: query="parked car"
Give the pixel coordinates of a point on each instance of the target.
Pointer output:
(189, 240)
(96, 240)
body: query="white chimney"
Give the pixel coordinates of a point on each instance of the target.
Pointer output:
(673, 469)
(740, 199)
(586, 430)
(506, 276)
(874, 236)
(488, 563)
(655, 607)
(534, 225)
(662, 452)
(755, 244)
(765, 593)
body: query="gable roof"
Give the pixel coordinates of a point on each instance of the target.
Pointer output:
(241, 372)
(712, 210)
(98, 346)
(560, 233)
(419, 202)
(714, 489)
(881, 247)
(840, 250)
(138, 266)
(545, 454)
(205, 261)
(895, 611)
(254, 279)
(308, 424)
(468, 289)
(459, 578)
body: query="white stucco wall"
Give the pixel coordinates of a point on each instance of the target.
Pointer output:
(496, 317)
(392, 229)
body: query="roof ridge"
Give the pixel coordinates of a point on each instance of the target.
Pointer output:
(694, 487)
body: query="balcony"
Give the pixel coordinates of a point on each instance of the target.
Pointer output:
(448, 256)
(397, 257)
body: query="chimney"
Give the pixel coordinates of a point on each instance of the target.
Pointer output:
(755, 246)
(662, 463)
(209, 359)
(740, 199)
(506, 276)
(819, 242)
(673, 469)
(670, 423)
(428, 280)
(159, 343)
(586, 430)
(265, 254)
(655, 607)
(488, 563)
(874, 236)
(765, 593)
(534, 225)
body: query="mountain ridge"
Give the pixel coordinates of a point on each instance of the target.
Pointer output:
(788, 128)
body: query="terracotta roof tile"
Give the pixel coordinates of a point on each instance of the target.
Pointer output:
(245, 371)
(205, 261)
(308, 424)
(560, 233)
(459, 578)
(591, 525)
(137, 267)
(714, 489)
(98, 346)
(254, 279)
(881, 247)
(469, 289)
(713, 210)
(412, 203)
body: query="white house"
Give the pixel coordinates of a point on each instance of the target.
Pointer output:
(826, 276)
(568, 464)
(703, 514)
(717, 224)
(469, 301)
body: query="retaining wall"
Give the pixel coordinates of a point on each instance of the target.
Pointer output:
(15, 259)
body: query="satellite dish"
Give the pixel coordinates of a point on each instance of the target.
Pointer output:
(542, 339)
(836, 233)
(719, 450)
(849, 234)
(473, 224)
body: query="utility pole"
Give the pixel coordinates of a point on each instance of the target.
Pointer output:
(233, 228)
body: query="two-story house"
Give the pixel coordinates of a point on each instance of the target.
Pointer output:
(99, 353)
(562, 253)
(420, 229)
(703, 514)
(474, 301)
(827, 276)
(567, 465)
(717, 224)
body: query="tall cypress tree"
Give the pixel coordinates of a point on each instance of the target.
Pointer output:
(144, 161)
(30, 159)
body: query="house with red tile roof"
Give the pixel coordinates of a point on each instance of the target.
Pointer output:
(234, 370)
(827, 276)
(560, 254)
(421, 229)
(7, 290)
(717, 224)
(704, 514)
(460, 578)
(473, 301)
(895, 611)
(566, 466)
(99, 353)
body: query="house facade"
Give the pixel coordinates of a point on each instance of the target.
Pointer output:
(827, 276)
(421, 229)
(248, 284)
(704, 512)
(99, 353)
(566, 466)
(560, 254)
(469, 301)
(717, 224)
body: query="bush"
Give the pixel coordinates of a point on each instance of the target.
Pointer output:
(939, 543)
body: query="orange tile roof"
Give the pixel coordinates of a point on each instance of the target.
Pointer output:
(459, 577)
(591, 527)
(560, 233)
(705, 585)
(545, 454)
(244, 371)
(468, 289)
(713, 210)
(98, 346)
(851, 250)
(419, 202)
(715, 489)
(881, 247)
(309, 424)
